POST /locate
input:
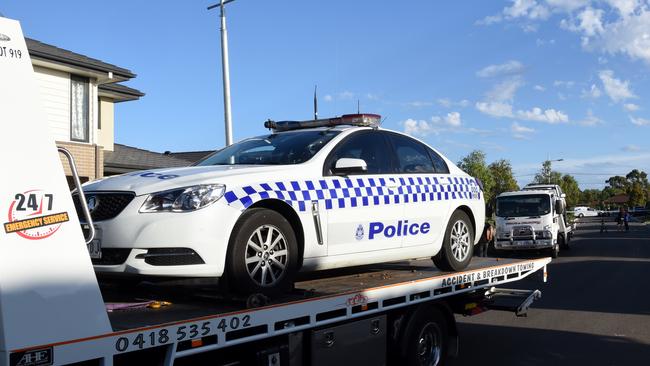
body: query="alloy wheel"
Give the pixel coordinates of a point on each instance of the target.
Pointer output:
(266, 256)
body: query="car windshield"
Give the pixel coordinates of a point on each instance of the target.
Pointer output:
(275, 149)
(517, 206)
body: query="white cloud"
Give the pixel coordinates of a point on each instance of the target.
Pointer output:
(511, 67)
(616, 89)
(447, 103)
(418, 128)
(591, 23)
(640, 121)
(371, 96)
(517, 128)
(419, 104)
(567, 5)
(452, 122)
(453, 119)
(563, 83)
(539, 88)
(631, 148)
(346, 95)
(551, 115)
(590, 120)
(328, 98)
(495, 109)
(624, 7)
(630, 107)
(520, 132)
(520, 9)
(505, 90)
(593, 92)
(608, 26)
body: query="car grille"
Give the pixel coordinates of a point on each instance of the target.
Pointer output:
(108, 205)
(112, 256)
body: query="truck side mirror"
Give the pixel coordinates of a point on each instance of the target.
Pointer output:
(559, 206)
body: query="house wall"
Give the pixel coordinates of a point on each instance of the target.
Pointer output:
(55, 96)
(106, 135)
(89, 160)
(54, 87)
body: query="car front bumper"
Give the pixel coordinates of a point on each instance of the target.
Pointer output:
(205, 233)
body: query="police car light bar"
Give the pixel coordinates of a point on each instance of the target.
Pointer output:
(361, 120)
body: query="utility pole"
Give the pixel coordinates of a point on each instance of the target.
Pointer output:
(225, 68)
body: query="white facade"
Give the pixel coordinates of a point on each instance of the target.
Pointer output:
(54, 86)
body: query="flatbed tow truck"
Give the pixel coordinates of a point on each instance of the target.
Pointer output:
(54, 311)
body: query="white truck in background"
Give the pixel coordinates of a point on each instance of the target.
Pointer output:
(532, 219)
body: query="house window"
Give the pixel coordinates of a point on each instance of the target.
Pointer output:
(79, 108)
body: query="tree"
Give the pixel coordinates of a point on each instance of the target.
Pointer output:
(570, 187)
(637, 187)
(617, 185)
(474, 164)
(546, 175)
(592, 197)
(504, 181)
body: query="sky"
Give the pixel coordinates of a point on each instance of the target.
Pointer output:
(522, 80)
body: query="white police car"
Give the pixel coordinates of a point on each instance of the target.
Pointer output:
(311, 195)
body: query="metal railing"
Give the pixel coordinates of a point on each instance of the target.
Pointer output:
(82, 197)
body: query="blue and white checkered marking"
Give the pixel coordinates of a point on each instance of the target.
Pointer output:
(337, 193)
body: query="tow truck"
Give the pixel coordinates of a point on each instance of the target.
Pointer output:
(54, 311)
(532, 219)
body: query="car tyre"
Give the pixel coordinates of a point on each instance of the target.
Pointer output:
(457, 245)
(425, 338)
(262, 254)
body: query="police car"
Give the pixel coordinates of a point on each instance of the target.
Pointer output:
(310, 195)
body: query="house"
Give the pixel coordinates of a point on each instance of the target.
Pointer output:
(618, 200)
(191, 156)
(125, 159)
(79, 95)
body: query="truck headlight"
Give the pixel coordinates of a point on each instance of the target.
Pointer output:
(183, 199)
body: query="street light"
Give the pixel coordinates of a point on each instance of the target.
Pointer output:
(548, 179)
(225, 68)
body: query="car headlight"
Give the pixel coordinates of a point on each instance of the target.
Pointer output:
(183, 199)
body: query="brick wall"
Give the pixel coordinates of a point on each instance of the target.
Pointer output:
(88, 158)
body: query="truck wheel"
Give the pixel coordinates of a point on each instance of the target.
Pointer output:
(263, 253)
(555, 251)
(564, 241)
(458, 244)
(425, 338)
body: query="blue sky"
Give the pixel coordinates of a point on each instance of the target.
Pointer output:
(522, 80)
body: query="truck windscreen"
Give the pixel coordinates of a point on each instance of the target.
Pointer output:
(529, 205)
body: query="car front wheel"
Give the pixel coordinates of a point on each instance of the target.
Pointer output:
(263, 253)
(458, 244)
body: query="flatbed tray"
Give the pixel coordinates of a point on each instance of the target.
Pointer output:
(190, 301)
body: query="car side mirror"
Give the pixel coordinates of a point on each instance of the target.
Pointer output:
(350, 166)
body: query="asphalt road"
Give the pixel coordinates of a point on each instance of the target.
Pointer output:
(595, 308)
